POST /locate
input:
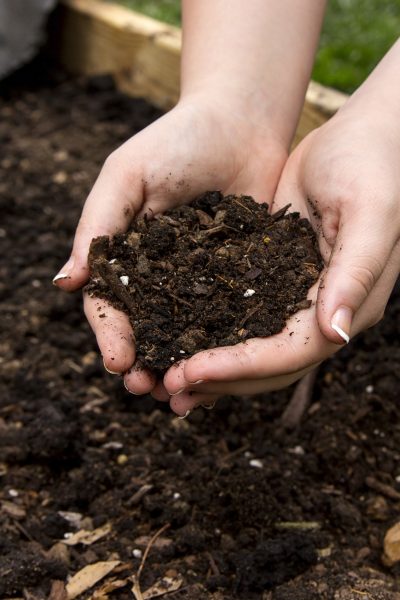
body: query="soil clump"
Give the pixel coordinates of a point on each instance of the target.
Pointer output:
(214, 273)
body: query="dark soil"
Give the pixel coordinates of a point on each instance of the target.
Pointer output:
(304, 521)
(214, 273)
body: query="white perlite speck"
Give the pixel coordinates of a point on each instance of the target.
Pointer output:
(137, 553)
(249, 293)
(256, 463)
(124, 279)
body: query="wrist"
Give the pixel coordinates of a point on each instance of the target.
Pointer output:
(251, 114)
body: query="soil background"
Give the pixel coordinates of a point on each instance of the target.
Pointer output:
(253, 511)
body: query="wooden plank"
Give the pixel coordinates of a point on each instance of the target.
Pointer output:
(95, 37)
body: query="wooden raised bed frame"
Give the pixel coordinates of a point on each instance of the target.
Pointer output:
(96, 37)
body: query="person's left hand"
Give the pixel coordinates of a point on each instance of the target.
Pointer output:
(345, 178)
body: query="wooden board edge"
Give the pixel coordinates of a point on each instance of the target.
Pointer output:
(143, 54)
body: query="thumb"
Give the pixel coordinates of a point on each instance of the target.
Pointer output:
(109, 209)
(362, 249)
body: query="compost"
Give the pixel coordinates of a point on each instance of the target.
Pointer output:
(249, 509)
(211, 274)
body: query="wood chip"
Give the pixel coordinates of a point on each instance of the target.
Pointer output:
(58, 591)
(88, 576)
(87, 537)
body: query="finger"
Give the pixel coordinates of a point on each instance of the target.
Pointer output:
(373, 308)
(183, 404)
(113, 333)
(159, 392)
(174, 380)
(139, 381)
(300, 345)
(109, 208)
(361, 252)
(249, 387)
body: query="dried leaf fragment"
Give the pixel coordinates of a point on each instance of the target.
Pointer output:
(88, 576)
(88, 537)
(166, 585)
(107, 587)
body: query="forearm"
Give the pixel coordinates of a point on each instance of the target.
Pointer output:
(256, 57)
(378, 98)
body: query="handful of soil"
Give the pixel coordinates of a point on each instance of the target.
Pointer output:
(214, 273)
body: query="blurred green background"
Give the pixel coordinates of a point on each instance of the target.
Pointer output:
(355, 36)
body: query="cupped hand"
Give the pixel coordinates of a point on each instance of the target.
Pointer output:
(345, 178)
(198, 146)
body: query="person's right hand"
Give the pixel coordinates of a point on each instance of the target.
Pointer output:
(200, 145)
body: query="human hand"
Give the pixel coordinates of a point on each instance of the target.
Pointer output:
(344, 177)
(196, 147)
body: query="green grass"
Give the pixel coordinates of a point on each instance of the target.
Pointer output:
(355, 36)
(164, 10)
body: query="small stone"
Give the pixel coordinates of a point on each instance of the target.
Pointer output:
(378, 508)
(249, 293)
(200, 289)
(176, 496)
(137, 553)
(112, 261)
(13, 493)
(60, 177)
(60, 155)
(122, 459)
(391, 546)
(369, 389)
(124, 279)
(255, 462)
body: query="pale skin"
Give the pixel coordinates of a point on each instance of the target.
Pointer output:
(231, 131)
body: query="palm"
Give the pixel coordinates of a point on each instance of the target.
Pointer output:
(178, 157)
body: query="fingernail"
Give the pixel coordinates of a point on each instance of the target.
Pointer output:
(109, 371)
(208, 406)
(197, 382)
(65, 271)
(178, 392)
(341, 322)
(187, 413)
(125, 386)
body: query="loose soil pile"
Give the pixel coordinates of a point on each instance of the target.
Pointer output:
(211, 274)
(254, 511)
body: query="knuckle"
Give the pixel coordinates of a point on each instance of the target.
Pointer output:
(367, 274)
(375, 319)
(112, 160)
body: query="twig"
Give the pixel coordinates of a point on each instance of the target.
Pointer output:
(111, 278)
(213, 564)
(243, 206)
(299, 401)
(136, 578)
(177, 298)
(250, 313)
(279, 213)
